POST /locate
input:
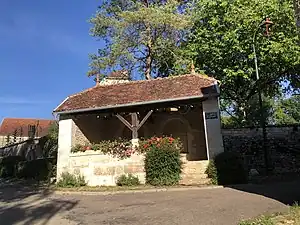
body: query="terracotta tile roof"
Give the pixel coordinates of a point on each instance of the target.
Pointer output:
(10, 125)
(139, 92)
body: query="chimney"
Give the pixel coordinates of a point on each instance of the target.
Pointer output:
(193, 68)
(116, 77)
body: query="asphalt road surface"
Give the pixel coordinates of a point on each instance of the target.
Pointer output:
(208, 207)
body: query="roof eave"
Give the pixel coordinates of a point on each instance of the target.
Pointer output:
(136, 104)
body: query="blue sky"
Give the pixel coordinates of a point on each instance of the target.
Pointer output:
(44, 48)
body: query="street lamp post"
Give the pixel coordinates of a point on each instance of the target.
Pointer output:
(266, 22)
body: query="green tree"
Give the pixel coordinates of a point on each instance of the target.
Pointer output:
(221, 45)
(297, 14)
(250, 115)
(138, 35)
(51, 141)
(287, 111)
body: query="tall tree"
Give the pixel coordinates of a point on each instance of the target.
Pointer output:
(138, 34)
(297, 14)
(221, 45)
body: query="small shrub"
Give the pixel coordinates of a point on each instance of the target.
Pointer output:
(71, 180)
(129, 180)
(227, 168)
(162, 161)
(9, 166)
(77, 148)
(211, 172)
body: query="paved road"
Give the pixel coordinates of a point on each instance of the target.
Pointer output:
(208, 207)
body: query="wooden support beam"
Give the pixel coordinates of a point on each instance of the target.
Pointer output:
(123, 120)
(145, 119)
(135, 124)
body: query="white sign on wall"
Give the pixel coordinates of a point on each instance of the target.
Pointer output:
(211, 115)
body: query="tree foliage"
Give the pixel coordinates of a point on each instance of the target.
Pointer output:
(221, 45)
(138, 35)
(287, 111)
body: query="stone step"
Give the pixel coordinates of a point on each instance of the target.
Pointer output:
(194, 176)
(193, 181)
(188, 168)
(193, 170)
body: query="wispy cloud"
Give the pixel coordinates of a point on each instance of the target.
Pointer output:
(11, 100)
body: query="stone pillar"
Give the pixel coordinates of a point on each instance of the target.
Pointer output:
(65, 138)
(212, 127)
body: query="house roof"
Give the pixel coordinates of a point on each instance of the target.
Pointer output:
(139, 93)
(21, 126)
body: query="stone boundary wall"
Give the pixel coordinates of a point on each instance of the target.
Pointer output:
(104, 170)
(30, 149)
(283, 144)
(272, 131)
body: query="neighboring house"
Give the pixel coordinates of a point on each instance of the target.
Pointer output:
(184, 106)
(15, 130)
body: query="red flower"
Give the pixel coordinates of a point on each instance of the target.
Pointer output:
(146, 146)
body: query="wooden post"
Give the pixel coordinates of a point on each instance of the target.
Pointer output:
(135, 125)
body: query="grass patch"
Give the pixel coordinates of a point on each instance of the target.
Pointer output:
(292, 217)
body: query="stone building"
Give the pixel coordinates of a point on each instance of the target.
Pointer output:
(15, 130)
(184, 106)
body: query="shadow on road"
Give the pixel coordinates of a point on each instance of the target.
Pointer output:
(29, 204)
(285, 192)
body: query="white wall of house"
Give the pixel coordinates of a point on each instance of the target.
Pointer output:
(212, 126)
(65, 138)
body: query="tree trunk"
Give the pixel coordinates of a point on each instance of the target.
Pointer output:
(297, 14)
(148, 61)
(149, 49)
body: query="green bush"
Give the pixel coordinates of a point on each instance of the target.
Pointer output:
(227, 168)
(129, 180)
(9, 166)
(40, 169)
(211, 172)
(71, 180)
(162, 161)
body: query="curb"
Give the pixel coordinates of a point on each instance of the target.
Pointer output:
(135, 191)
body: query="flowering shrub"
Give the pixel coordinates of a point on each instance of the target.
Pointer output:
(154, 142)
(162, 160)
(117, 148)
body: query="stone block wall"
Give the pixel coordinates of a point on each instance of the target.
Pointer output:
(104, 170)
(283, 144)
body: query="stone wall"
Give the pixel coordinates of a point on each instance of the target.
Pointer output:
(4, 140)
(104, 170)
(30, 149)
(283, 144)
